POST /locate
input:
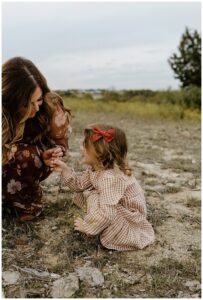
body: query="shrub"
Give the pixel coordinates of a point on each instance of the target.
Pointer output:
(192, 96)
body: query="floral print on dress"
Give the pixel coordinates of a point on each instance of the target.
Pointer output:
(22, 175)
(18, 170)
(26, 153)
(38, 163)
(17, 204)
(13, 150)
(4, 172)
(24, 165)
(13, 186)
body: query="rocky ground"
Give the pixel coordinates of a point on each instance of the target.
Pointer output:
(46, 258)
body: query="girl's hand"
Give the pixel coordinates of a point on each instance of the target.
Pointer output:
(59, 166)
(49, 154)
(79, 224)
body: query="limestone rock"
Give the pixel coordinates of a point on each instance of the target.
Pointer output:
(10, 277)
(193, 285)
(90, 275)
(65, 287)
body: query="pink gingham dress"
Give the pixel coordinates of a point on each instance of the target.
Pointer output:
(115, 208)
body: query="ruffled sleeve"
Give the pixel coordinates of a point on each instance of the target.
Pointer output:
(77, 182)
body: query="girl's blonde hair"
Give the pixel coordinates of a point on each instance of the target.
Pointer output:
(110, 155)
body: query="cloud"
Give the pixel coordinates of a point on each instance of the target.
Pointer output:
(106, 67)
(93, 44)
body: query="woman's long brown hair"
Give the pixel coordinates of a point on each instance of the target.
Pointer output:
(20, 78)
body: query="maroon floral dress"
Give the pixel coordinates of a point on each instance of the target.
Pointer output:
(22, 175)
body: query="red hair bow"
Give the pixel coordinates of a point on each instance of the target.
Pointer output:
(107, 135)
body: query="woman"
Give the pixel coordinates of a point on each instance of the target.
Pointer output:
(34, 129)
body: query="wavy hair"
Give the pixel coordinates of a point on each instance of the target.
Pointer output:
(20, 78)
(110, 155)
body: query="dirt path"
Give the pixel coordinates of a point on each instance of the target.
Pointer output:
(165, 156)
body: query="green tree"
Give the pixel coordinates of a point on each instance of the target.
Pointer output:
(187, 63)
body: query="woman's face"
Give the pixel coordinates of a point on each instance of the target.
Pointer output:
(35, 102)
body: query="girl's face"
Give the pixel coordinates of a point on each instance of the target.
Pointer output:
(36, 101)
(89, 156)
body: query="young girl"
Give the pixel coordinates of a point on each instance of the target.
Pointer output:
(107, 190)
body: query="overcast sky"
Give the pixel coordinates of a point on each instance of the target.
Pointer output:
(121, 45)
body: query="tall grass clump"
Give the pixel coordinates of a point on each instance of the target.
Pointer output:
(180, 104)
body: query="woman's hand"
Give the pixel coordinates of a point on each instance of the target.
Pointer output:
(79, 225)
(50, 154)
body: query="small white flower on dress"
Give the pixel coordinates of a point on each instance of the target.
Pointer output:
(36, 205)
(13, 186)
(19, 172)
(13, 149)
(4, 172)
(60, 119)
(37, 162)
(17, 204)
(24, 165)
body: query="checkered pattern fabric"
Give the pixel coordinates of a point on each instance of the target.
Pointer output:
(115, 208)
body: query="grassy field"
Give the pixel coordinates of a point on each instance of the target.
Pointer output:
(137, 109)
(164, 152)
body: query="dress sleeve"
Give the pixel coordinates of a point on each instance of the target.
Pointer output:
(111, 190)
(60, 126)
(77, 182)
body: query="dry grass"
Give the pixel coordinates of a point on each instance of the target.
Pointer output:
(51, 244)
(193, 202)
(140, 109)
